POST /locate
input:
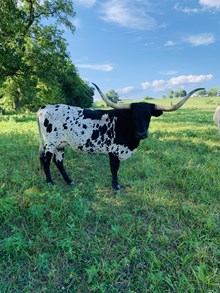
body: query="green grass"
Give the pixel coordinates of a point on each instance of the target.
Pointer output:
(161, 234)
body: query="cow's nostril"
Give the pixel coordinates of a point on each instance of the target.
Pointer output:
(141, 135)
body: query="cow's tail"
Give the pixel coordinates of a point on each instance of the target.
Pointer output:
(41, 143)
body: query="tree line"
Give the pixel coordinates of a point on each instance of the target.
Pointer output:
(35, 65)
(212, 92)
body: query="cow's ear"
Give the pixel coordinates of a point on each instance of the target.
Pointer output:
(156, 112)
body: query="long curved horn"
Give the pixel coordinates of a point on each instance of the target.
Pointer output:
(178, 105)
(110, 103)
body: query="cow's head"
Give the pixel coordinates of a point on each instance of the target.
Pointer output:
(141, 115)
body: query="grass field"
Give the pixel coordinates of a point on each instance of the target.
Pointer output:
(161, 234)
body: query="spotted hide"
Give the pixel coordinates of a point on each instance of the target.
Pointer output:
(113, 132)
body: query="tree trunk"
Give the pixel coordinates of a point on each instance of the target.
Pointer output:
(17, 103)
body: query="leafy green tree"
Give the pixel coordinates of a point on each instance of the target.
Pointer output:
(35, 66)
(180, 93)
(213, 92)
(21, 23)
(76, 91)
(202, 92)
(112, 96)
(171, 94)
(148, 98)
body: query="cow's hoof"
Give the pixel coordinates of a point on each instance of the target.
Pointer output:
(50, 183)
(117, 189)
(71, 183)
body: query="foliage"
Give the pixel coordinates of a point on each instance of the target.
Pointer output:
(202, 92)
(76, 91)
(180, 93)
(113, 96)
(213, 92)
(161, 234)
(148, 98)
(171, 94)
(35, 67)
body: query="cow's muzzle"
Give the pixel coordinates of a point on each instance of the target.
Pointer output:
(141, 135)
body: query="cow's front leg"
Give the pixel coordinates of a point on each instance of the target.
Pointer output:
(58, 160)
(45, 159)
(114, 165)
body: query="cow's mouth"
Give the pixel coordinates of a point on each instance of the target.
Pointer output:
(142, 135)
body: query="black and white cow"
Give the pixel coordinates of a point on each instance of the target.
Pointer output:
(114, 132)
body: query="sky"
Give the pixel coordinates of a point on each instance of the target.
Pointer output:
(146, 48)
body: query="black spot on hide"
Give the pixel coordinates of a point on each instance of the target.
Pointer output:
(108, 142)
(46, 122)
(49, 127)
(103, 129)
(88, 144)
(110, 133)
(95, 134)
(43, 107)
(65, 126)
(80, 147)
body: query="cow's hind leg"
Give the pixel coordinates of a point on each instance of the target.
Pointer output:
(58, 160)
(114, 165)
(45, 158)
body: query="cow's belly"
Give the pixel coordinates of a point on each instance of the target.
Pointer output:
(104, 145)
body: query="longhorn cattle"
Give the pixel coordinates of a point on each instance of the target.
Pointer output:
(114, 132)
(216, 117)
